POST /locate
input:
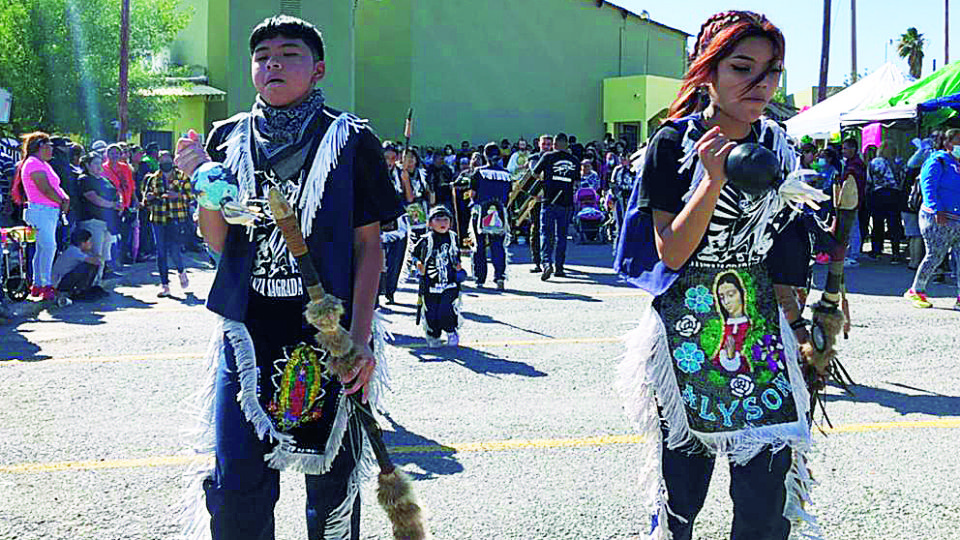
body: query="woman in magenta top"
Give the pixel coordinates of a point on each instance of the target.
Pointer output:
(45, 201)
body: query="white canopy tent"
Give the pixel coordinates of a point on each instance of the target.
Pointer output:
(869, 116)
(824, 118)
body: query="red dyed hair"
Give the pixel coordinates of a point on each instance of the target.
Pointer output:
(716, 41)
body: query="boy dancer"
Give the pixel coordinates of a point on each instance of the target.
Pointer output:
(438, 260)
(257, 419)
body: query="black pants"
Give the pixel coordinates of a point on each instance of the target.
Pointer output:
(757, 490)
(79, 279)
(863, 217)
(498, 256)
(534, 235)
(395, 252)
(439, 312)
(885, 209)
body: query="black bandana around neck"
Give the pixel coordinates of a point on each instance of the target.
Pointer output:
(279, 128)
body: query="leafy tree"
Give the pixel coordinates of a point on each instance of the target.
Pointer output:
(61, 62)
(910, 46)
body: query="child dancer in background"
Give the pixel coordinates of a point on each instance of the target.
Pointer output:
(438, 261)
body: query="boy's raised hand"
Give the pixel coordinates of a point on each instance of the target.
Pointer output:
(190, 153)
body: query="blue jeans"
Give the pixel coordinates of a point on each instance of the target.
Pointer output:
(757, 490)
(244, 490)
(554, 221)
(45, 220)
(167, 236)
(855, 242)
(498, 255)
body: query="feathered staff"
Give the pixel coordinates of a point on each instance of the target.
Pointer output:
(395, 490)
(753, 169)
(831, 313)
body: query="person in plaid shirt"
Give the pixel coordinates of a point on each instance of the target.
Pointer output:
(167, 196)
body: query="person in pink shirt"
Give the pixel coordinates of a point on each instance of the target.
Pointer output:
(119, 173)
(46, 200)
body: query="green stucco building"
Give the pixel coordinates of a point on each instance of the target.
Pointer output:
(471, 70)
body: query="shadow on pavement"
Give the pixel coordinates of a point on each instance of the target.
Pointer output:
(91, 313)
(15, 344)
(471, 291)
(486, 319)
(930, 403)
(432, 458)
(477, 361)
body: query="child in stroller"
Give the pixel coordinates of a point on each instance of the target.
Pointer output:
(589, 220)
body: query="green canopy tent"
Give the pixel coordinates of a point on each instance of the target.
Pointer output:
(904, 105)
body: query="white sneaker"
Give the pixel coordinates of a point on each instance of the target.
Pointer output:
(434, 342)
(184, 282)
(453, 339)
(850, 263)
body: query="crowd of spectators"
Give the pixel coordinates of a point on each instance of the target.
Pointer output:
(95, 211)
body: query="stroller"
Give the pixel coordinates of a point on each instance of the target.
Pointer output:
(13, 261)
(589, 221)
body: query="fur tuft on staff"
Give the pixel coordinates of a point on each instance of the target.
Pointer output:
(395, 494)
(395, 490)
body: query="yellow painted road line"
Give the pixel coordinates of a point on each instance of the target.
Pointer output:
(474, 447)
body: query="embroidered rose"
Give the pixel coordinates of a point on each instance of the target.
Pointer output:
(742, 385)
(689, 358)
(698, 299)
(688, 326)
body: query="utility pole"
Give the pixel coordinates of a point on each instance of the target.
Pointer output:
(122, 114)
(824, 53)
(946, 32)
(853, 40)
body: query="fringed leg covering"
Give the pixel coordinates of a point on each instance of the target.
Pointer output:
(194, 517)
(337, 526)
(641, 374)
(507, 238)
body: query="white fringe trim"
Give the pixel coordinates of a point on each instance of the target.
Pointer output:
(646, 378)
(239, 159)
(326, 159)
(194, 518)
(338, 524)
(637, 383)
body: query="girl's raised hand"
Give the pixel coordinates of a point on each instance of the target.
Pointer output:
(713, 149)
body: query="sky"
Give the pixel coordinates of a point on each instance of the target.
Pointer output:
(878, 21)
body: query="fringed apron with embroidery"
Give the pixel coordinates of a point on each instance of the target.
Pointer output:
(714, 357)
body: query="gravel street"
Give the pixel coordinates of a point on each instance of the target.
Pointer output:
(516, 434)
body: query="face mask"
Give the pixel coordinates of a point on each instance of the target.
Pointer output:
(166, 167)
(956, 152)
(822, 162)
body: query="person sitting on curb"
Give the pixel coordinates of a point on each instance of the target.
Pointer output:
(75, 269)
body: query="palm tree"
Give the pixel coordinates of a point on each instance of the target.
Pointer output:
(910, 46)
